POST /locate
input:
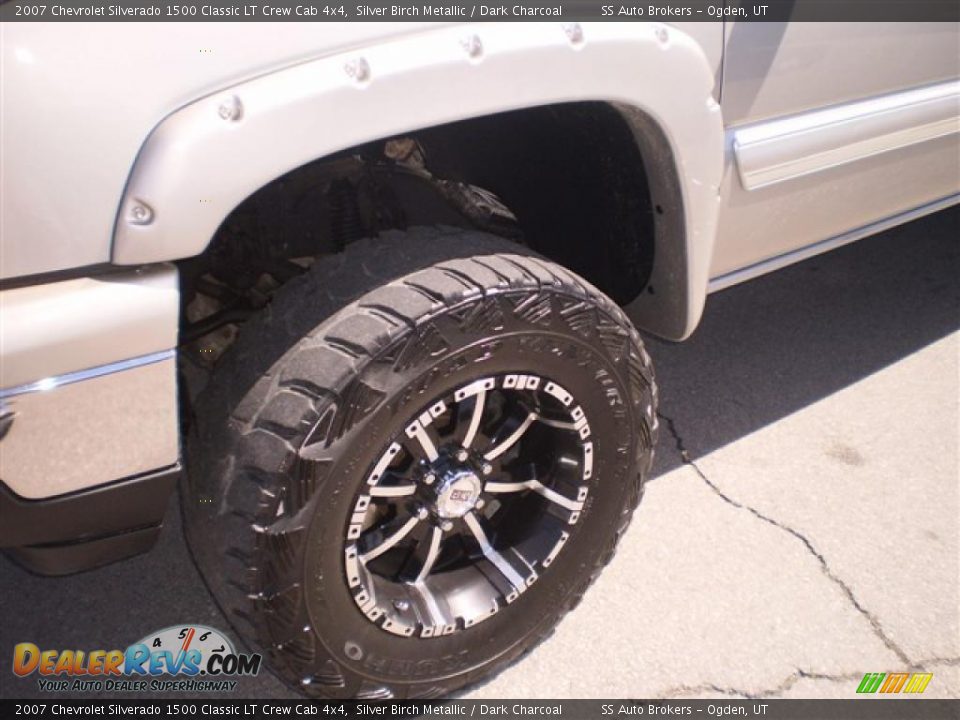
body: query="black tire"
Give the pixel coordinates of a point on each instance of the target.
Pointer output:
(342, 357)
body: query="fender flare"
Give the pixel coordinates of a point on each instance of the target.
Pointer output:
(203, 160)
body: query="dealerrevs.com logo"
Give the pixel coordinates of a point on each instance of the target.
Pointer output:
(183, 658)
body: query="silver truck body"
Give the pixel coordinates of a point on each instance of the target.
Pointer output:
(781, 140)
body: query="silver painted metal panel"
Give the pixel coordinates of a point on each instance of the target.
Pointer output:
(62, 327)
(766, 223)
(203, 160)
(839, 110)
(776, 69)
(809, 251)
(709, 36)
(57, 381)
(88, 432)
(78, 103)
(798, 145)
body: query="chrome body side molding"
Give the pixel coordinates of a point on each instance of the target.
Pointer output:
(72, 432)
(775, 263)
(88, 385)
(54, 329)
(52, 383)
(783, 149)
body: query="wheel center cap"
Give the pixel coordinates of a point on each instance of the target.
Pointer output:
(458, 493)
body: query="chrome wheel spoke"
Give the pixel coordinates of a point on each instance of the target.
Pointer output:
(479, 404)
(558, 424)
(506, 487)
(392, 490)
(498, 561)
(424, 444)
(433, 552)
(539, 488)
(430, 608)
(511, 440)
(390, 541)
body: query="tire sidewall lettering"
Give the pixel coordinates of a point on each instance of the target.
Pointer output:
(528, 349)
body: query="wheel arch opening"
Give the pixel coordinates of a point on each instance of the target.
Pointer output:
(589, 185)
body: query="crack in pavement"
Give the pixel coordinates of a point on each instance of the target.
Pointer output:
(874, 622)
(784, 685)
(791, 680)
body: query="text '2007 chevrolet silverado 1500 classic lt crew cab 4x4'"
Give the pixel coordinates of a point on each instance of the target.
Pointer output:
(373, 291)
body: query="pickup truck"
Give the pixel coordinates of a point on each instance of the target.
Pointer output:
(372, 295)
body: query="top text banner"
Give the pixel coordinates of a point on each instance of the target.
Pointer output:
(465, 11)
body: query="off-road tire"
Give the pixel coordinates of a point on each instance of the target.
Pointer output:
(335, 362)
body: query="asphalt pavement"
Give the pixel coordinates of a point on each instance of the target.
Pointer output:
(801, 528)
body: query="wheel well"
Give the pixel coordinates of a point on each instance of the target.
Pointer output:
(567, 180)
(573, 176)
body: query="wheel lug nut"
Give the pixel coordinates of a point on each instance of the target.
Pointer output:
(446, 526)
(487, 468)
(430, 478)
(462, 455)
(422, 512)
(401, 605)
(479, 503)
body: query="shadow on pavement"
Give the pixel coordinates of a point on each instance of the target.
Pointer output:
(772, 346)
